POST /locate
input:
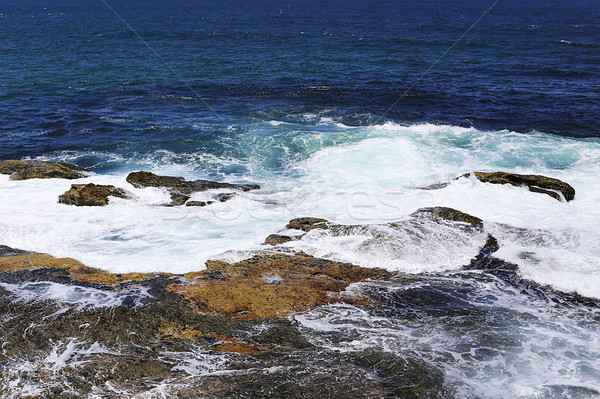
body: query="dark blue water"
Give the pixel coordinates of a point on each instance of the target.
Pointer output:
(75, 78)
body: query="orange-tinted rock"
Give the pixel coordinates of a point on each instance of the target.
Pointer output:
(306, 223)
(91, 194)
(76, 270)
(243, 289)
(29, 169)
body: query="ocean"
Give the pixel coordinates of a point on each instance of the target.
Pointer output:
(348, 111)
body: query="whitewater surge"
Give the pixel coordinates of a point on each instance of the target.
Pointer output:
(346, 174)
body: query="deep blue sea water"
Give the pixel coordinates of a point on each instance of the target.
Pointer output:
(345, 110)
(74, 77)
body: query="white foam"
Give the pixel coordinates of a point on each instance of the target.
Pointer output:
(420, 246)
(80, 297)
(352, 175)
(523, 351)
(197, 362)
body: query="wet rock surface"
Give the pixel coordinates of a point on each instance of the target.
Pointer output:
(273, 325)
(30, 169)
(306, 223)
(91, 194)
(129, 331)
(248, 290)
(276, 239)
(442, 213)
(181, 189)
(535, 183)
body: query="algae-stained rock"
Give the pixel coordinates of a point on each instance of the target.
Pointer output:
(535, 183)
(179, 184)
(306, 223)
(443, 213)
(246, 289)
(91, 194)
(30, 169)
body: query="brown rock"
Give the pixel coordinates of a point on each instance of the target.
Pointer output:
(29, 169)
(307, 223)
(180, 185)
(14, 260)
(91, 194)
(178, 199)
(198, 203)
(243, 291)
(442, 213)
(276, 239)
(535, 183)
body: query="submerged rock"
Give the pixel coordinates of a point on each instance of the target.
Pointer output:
(91, 194)
(443, 213)
(535, 183)
(29, 169)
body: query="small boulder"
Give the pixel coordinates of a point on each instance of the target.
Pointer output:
(30, 169)
(535, 183)
(276, 239)
(178, 199)
(91, 194)
(306, 223)
(442, 213)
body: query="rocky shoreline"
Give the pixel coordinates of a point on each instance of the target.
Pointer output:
(73, 330)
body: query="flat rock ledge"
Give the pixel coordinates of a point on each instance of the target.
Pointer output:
(230, 312)
(536, 183)
(264, 286)
(273, 285)
(30, 169)
(180, 189)
(91, 194)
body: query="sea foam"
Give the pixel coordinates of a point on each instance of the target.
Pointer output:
(352, 175)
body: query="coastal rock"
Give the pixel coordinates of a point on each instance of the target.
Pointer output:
(17, 260)
(178, 199)
(180, 185)
(29, 169)
(246, 290)
(91, 194)
(198, 203)
(276, 239)
(181, 189)
(442, 213)
(307, 223)
(535, 183)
